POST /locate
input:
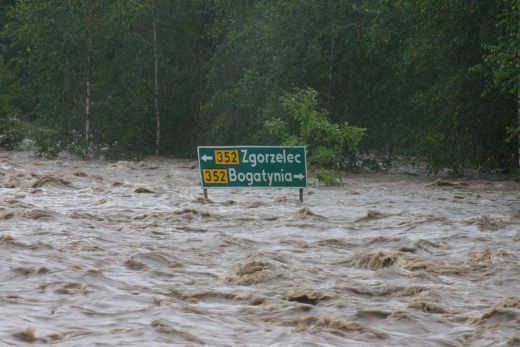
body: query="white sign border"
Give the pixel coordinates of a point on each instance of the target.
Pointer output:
(252, 187)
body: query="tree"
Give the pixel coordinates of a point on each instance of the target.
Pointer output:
(54, 45)
(185, 46)
(328, 144)
(275, 47)
(130, 78)
(81, 67)
(88, 72)
(504, 59)
(156, 79)
(429, 87)
(9, 134)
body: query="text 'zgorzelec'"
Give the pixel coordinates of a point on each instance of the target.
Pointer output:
(269, 158)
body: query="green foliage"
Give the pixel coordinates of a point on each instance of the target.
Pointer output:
(48, 142)
(329, 177)
(5, 96)
(429, 96)
(11, 129)
(503, 55)
(431, 80)
(12, 132)
(278, 133)
(57, 48)
(512, 133)
(325, 157)
(327, 143)
(503, 58)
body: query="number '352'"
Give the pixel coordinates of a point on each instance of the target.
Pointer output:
(215, 176)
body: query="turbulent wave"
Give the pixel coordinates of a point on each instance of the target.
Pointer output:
(130, 253)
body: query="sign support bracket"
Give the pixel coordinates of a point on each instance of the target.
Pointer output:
(301, 195)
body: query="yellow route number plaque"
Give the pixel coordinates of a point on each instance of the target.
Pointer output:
(215, 176)
(227, 157)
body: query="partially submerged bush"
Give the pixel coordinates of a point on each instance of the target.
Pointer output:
(328, 144)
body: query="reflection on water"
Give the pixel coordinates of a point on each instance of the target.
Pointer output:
(128, 253)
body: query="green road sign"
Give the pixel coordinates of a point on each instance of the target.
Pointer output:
(252, 166)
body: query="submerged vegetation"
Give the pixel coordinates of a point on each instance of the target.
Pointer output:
(434, 81)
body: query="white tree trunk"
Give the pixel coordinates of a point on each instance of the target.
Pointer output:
(87, 117)
(88, 26)
(156, 78)
(331, 59)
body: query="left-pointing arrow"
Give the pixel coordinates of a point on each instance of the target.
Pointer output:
(206, 157)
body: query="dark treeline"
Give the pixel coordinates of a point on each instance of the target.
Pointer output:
(435, 80)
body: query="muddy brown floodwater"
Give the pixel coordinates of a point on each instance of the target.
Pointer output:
(129, 254)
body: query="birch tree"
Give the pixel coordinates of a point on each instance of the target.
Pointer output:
(88, 68)
(504, 59)
(156, 80)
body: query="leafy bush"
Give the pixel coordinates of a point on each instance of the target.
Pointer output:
(328, 144)
(47, 142)
(12, 132)
(11, 129)
(329, 177)
(119, 151)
